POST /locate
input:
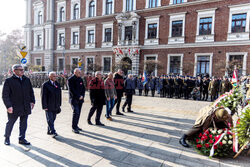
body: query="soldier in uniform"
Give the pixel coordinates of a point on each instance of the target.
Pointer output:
(213, 88)
(185, 87)
(153, 85)
(161, 86)
(199, 84)
(176, 87)
(140, 85)
(171, 86)
(225, 85)
(146, 86)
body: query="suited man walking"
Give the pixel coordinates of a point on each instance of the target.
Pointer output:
(129, 93)
(119, 86)
(76, 97)
(18, 97)
(97, 98)
(51, 101)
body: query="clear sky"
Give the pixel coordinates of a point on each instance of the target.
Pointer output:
(12, 15)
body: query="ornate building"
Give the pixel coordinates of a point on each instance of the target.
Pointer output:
(184, 36)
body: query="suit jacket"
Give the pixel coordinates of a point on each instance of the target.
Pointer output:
(96, 92)
(18, 94)
(128, 84)
(76, 89)
(119, 84)
(51, 96)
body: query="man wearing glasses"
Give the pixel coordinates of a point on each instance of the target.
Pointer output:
(18, 97)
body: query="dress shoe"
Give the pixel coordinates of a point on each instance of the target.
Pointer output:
(89, 122)
(24, 142)
(54, 135)
(100, 124)
(182, 141)
(49, 133)
(79, 129)
(7, 141)
(130, 111)
(119, 113)
(109, 118)
(75, 131)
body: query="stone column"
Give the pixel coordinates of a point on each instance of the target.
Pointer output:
(27, 29)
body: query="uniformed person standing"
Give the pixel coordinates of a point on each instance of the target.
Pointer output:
(140, 85)
(153, 85)
(213, 88)
(146, 87)
(205, 86)
(225, 85)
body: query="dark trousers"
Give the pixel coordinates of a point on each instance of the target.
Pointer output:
(77, 107)
(153, 92)
(98, 109)
(193, 131)
(51, 117)
(128, 101)
(140, 92)
(22, 125)
(118, 102)
(205, 95)
(146, 92)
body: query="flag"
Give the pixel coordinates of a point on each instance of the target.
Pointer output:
(144, 77)
(235, 77)
(120, 51)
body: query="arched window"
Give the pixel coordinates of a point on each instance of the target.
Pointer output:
(92, 9)
(109, 5)
(62, 14)
(76, 12)
(40, 17)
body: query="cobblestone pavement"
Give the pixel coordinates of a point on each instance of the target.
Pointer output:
(148, 137)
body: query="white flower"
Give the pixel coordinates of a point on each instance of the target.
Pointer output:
(229, 101)
(230, 136)
(236, 94)
(229, 142)
(225, 137)
(224, 142)
(213, 132)
(219, 131)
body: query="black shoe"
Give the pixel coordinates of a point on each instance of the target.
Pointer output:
(89, 122)
(100, 124)
(7, 141)
(119, 113)
(123, 109)
(130, 111)
(54, 135)
(75, 131)
(49, 133)
(79, 129)
(24, 142)
(182, 141)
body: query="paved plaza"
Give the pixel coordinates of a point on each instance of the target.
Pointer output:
(147, 137)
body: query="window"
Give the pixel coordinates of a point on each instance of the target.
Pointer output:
(62, 14)
(76, 12)
(128, 33)
(235, 60)
(203, 63)
(91, 36)
(175, 64)
(92, 9)
(75, 38)
(152, 31)
(129, 5)
(205, 26)
(107, 35)
(152, 3)
(40, 17)
(177, 1)
(109, 7)
(61, 39)
(38, 62)
(177, 28)
(238, 22)
(60, 64)
(90, 64)
(39, 40)
(106, 64)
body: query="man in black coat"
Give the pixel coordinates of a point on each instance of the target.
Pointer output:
(128, 85)
(119, 87)
(51, 96)
(97, 98)
(18, 97)
(76, 97)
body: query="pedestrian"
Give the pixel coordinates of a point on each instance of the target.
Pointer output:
(51, 97)
(18, 97)
(76, 98)
(119, 87)
(128, 85)
(97, 98)
(110, 94)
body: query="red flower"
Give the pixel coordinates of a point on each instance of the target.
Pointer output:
(229, 133)
(200, 135)
(197, 140)
(211, 141)
(205, 137)
(207, 132)
(198, 145)
(207, 145)
(211, 136)
(221, 144)
(215, 147)
(216, 138)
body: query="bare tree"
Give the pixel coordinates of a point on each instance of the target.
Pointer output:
(151, 65)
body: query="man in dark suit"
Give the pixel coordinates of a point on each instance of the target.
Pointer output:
(129, 93)
(97, 98)
(18, 97)
(51, 101)
(76, 97)
(119, 87)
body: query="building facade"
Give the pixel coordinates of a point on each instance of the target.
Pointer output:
(187, 37)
